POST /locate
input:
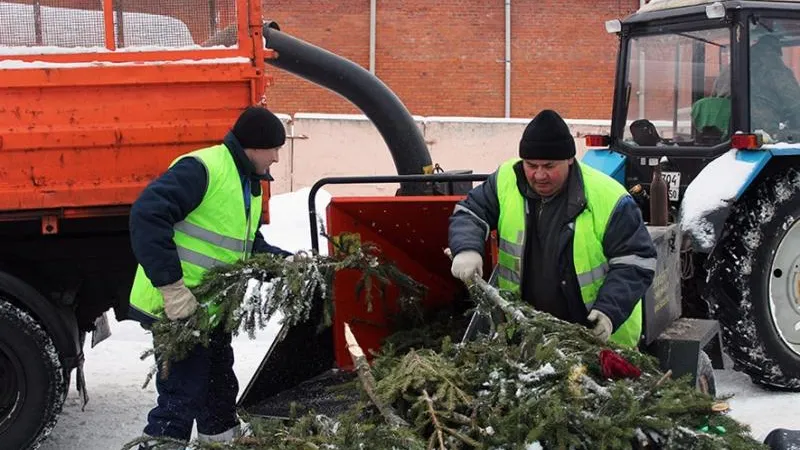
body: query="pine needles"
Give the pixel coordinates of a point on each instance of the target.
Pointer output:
(536, 382)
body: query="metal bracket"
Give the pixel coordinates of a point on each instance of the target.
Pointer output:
(80, 382)
(102, 330)
(50, 224)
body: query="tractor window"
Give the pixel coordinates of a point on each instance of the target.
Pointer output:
(774, 70)
(679, 89)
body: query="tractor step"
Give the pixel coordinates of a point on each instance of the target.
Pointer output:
(679, 346)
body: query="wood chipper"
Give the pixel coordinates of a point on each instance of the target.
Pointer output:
(411, 229)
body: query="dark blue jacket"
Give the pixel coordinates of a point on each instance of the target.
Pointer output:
(168, 199)
(626, 239)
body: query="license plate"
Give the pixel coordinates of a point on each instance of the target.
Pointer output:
(673, 180)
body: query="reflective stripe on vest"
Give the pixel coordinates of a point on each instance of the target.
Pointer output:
(602, 195)
(206, 262)
(510, 229)
(216, 233)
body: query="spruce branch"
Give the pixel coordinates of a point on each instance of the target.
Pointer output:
(438, 433)
(246, 294)
(368, 381)
(419, 369)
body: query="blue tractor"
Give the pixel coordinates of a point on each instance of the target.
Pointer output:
(706, 96)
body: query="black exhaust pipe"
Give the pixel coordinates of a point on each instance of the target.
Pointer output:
(364, 90)
(300, 364)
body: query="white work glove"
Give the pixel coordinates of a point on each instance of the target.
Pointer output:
(602, 325)
(299, 256)
(466, 264)
(179, 302)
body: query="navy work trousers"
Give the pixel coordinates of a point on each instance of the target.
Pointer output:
(201, 387)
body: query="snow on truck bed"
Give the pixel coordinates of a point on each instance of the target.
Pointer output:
(69, 30)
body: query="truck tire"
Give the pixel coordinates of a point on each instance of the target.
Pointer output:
(32, 386)
(754, 279)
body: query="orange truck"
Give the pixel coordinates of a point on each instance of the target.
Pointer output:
(96, 98)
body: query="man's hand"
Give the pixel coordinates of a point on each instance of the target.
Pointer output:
(602, 325)
(299, 256)
(466, 264)
(179, 302)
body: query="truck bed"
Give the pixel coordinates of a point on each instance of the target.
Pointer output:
(83, 130)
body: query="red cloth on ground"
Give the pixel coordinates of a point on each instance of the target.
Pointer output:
(613, 365)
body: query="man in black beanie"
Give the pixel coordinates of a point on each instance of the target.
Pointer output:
(572, 242)
(205, 211)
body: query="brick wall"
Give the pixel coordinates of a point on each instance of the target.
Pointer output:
(446, 57)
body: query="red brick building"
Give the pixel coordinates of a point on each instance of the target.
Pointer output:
(446, 58)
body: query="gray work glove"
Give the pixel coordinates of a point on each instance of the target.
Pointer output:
(602, 325)
(466, 264)
(179, 302)
(299, 256)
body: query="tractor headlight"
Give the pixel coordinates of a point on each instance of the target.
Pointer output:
(715, 10)
(613, 26)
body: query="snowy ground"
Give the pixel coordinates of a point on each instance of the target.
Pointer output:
(118, 406)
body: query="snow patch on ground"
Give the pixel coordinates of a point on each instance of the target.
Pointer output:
(762, 410)
(118, 406)
(289, 214)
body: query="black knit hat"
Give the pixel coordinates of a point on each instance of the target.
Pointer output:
(547, 136)
(257, 127)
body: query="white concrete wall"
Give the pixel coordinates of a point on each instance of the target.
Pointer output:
(325, 145)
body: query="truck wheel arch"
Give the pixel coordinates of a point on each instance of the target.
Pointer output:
(59, 322)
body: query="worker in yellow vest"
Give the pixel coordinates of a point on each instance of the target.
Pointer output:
(572, 242)
(203, 212)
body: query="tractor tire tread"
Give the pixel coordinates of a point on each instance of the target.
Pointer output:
(733, 269)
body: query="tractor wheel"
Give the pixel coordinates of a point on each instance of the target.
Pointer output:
(32, 387)
(754, 282)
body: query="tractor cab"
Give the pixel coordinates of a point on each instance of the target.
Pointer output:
(696, 79)
(707, 96)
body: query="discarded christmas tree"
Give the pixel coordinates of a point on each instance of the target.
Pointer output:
(248, 293)
(535, 382)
